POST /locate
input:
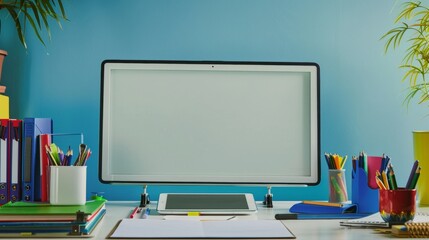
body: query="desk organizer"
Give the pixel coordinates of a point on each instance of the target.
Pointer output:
(68, 185)
(364, 188)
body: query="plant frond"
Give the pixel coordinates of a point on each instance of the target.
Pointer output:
(63, 12)
(424, 98)
(18, 25)
(413, 20)
(407, 12)
(30, 19)
(37, 14)
(412, 93)
(395, 35)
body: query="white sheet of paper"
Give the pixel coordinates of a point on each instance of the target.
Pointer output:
(199, 218)
(147, 228)
(246, 229)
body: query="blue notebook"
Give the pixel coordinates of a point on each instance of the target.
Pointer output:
(312, 211)
(320, 209)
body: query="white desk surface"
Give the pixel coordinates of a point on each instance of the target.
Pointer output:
(302, 229)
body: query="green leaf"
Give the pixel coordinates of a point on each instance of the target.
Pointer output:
(18, 26)
(35, 13)
(29, 18)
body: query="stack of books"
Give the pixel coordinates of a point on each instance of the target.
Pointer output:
(28, 219)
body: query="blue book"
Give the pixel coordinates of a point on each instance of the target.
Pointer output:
(50, 229)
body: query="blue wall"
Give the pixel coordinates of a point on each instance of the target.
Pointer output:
(361, 88)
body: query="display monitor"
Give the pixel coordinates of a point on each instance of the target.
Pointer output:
(202, 122)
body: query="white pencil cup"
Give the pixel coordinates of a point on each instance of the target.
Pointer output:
(67, 185)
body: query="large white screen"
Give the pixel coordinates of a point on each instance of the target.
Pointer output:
(190, 122)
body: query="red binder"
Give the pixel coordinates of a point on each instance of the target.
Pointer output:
(45, 140)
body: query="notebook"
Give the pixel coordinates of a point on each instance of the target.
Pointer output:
(29, 211)
(168, 229)
(417, 230)
(321, 210)
(50, 229)
(304, 207)
(376, 221)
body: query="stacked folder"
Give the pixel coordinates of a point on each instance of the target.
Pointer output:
(26, 219)
(23, 176)
(10, 159)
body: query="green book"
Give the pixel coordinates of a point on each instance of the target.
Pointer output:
(30, 211)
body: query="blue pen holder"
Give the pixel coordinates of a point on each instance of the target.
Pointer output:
(365, 197)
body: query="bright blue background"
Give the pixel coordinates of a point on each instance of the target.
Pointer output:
(361, 88)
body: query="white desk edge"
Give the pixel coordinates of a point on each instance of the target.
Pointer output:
(302, 229)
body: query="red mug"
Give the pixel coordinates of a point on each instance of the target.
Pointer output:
(397, 206)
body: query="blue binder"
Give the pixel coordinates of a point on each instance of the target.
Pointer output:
(32, 128)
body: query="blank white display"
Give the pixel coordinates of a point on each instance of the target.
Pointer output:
(184, 123)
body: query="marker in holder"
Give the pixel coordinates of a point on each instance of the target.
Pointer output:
(364, 187)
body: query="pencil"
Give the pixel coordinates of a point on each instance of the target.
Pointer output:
(335, 161)
(393, 179)
(380, 183)
(413, 172)
(343, 161)
(379, 180)
(385, 181)
(416, 178)
(328, 204)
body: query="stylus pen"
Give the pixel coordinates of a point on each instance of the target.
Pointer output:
(286, 216)
(133, 213)
(295, 216)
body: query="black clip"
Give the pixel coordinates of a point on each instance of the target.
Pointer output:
(144, 197)
(268, 199)
(75, 230)
(80, 216)
(76, 225)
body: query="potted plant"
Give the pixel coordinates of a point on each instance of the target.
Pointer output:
(412, 29)
(3, 54)
(4, 100)
(34, 13)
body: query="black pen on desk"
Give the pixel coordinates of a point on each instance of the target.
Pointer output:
(286, 216)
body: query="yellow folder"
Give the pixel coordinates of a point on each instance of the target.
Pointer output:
(4, 106)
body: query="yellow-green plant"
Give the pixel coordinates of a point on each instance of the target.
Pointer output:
(36, 13)
(412, 28)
